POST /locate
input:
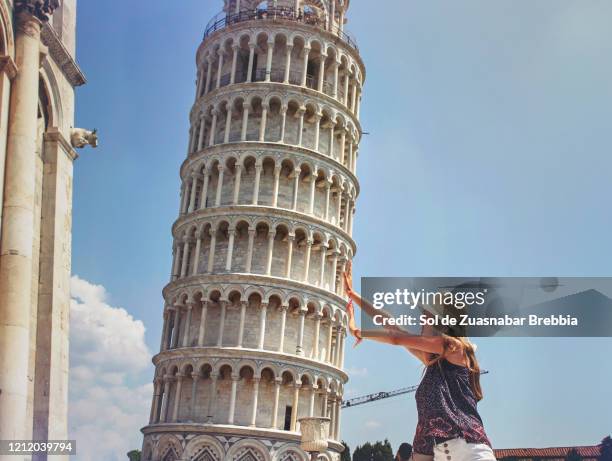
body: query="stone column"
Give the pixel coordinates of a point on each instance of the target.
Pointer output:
(306, 54)
(219, 185)
(311, 405)
(338, 345)
(177, 396)
(221, 324)
(213, 127)
(184, 196)
(322, 72)
(251, 59)
(18, 225)
(277, 172)
(269, 60)
(164, 340)
(235, 48)
(175, 262)
(211, 250)
(187, 324)
(313, 185)
(249, 260)
(277, 386)
(228, 125)
(323, 261)
(330, 338)
(192, 197)
(230, 249)
(243, 306)
(185, 261)
(342, 145)
(281, 342)
(220, 68)
(165, 397)
(336, 78)
(176, 326)
(198, 249)
(200, 82)
(301, 112)
(255, 399)
(337, 419)
(294, 407)
(202, 329)
(194, 393)
(245, 121)
(204, 195)
(263, 123)
(258, 168)
(262, 325)
(232, 403)
(342, 343)
(283, 123)
(154, 403)
(347, 77)
(288, 63)
(237, 180)
(354, 98)
(347, 211)
(307, 261)
(339, 209)
(291, 239)
(201, 133)
(317, 122)
(296, 188)
(334, 270)
(324, 412)
(328, 185)
(271, 237)
(332, 139)
(299, 350)
(317, 335)
(212, 398)
(208, 75)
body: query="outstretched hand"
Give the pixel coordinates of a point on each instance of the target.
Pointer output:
(356, 332)
(348, 279)
(350, 310)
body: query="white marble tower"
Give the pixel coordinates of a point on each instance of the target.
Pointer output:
(254, 321)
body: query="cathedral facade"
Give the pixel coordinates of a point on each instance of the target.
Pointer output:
(254, 320)
(38, 75)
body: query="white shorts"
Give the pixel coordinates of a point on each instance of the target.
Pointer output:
(460, 450)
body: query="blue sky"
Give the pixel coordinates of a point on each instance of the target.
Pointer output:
(488, 154)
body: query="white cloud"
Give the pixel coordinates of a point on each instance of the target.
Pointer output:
(110, 376)
(356, 371)
(372, 424)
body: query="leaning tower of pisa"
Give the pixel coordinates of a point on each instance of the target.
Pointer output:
(254, 321)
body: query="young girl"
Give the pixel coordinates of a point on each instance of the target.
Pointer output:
(449, 427)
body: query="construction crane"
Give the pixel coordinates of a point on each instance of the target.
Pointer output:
(382, 395)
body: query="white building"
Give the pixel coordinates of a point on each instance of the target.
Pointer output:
(254, 322)
(38, 74)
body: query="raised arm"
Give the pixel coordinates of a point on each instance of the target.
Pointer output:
(420, 346)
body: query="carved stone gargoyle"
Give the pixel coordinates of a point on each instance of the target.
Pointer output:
(80, 137)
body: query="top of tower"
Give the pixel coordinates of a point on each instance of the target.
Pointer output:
(329, 15)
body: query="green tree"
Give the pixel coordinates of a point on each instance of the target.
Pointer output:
(379, 451)
(573, 455)
(346, 453)
(134, 455)
(605, 449)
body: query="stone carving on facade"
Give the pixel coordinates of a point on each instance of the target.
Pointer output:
(80, 137)
(42, 9)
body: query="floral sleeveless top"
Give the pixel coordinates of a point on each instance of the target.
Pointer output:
(446, 407)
